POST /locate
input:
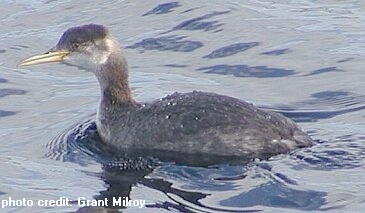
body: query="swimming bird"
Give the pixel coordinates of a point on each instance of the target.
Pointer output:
(193, 123)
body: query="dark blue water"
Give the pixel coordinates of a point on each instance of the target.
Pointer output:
(300, 58)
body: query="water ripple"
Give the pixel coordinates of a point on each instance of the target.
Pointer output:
(247, 71)
(231, 50)
(163, 8)
(168, 43)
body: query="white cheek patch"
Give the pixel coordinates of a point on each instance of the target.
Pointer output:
(110, 46)
(93, 57)
(97, 57)
(109, 43)
(80, 61)
(103, 56)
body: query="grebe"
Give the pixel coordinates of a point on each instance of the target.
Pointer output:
(192, 123)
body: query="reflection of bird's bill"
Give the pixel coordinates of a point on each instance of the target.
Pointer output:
(52, 56)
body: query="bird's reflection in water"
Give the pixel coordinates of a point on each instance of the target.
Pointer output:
(121, 172)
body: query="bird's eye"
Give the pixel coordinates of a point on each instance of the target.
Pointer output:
(76, 45)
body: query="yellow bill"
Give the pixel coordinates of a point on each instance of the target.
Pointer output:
(52, 56)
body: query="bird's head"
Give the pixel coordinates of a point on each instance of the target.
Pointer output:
(86, 46)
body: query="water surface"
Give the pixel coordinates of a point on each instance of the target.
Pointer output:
(301, 58)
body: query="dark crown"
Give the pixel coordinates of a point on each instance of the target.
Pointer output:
(74, 36)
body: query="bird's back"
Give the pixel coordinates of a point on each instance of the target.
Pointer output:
(206, 123)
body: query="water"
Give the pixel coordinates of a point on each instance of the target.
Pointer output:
(302, 58)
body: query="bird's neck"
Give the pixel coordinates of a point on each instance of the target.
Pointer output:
(116, 94)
